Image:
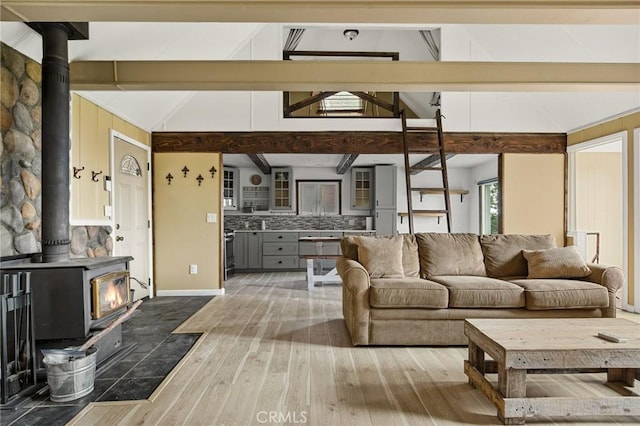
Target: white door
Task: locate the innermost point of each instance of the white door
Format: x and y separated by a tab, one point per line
131	212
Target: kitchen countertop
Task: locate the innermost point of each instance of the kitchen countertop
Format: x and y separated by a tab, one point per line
305	230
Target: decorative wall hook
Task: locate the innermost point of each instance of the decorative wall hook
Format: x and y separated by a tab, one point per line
185	170
169	178
94	175
213	171
76	172
199	179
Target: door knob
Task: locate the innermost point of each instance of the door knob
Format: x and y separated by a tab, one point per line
119	238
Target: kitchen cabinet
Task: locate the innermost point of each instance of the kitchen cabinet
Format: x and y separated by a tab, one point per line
386	221
247	250
280	250
385	209
385	187
254	250
308	247
281	188
230	188
240	250
361	188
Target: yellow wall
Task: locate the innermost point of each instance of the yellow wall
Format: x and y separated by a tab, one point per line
90	149
533	194
627	123
599	203
181	234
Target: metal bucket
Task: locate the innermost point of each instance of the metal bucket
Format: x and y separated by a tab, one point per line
71	379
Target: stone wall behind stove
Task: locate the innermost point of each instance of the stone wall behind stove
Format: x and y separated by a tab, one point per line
21	165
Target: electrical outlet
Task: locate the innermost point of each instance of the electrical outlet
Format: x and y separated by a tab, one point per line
212	217
352	222
193	269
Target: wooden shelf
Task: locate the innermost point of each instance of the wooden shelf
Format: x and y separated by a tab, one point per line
431	191
425	213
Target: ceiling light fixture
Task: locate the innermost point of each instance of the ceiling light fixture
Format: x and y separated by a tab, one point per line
351	34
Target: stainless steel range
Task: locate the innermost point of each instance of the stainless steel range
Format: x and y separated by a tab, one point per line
229	260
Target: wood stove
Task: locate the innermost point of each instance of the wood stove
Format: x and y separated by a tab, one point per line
68	303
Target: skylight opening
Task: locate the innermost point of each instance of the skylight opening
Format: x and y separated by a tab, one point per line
341	103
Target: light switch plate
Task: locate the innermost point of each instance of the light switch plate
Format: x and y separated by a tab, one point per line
193	269
212	217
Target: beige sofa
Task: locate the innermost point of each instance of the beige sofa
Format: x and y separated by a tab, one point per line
418	289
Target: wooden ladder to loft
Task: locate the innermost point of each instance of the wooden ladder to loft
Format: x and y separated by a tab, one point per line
442	168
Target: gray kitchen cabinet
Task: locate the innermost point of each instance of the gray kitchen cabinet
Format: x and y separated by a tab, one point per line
254	250
361	188
308	247
230	188
280	250
240	250
282	188
385	187
386	221
385	209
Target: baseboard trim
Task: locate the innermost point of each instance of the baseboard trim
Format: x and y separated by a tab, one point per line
213	292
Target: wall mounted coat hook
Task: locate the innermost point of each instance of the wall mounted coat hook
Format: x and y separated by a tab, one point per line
213	171
185	170
76	172
199	179
94	175
169	178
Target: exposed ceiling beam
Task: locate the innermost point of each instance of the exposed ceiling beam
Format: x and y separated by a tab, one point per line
342	142
431	160
261	162
403	76
328	11
346	162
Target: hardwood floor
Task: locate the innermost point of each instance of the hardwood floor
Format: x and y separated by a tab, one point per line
273	354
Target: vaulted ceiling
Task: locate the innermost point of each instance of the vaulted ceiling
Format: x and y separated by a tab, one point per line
471	32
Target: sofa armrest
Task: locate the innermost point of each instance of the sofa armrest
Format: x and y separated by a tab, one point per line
610	277
355	299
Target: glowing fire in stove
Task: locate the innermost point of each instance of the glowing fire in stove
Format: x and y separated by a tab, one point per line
110	292
112	297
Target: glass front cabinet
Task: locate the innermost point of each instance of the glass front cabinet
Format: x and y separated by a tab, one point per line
281	188
230	188
361	188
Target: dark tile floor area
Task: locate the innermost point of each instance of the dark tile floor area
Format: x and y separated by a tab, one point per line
152	353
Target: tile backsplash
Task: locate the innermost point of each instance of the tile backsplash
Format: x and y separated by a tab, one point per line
238	222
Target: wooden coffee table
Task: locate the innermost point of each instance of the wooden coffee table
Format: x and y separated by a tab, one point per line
518	346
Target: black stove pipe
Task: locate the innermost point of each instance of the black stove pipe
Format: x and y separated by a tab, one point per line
55	134
55	142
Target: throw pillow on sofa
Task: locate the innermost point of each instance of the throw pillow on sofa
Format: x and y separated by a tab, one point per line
410	259
561	262
381	256
450	254
503	252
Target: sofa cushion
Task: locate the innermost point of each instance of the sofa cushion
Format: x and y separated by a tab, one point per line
381	256
503	253
450	254
543	294
481	292
410	259
407	293
562	262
